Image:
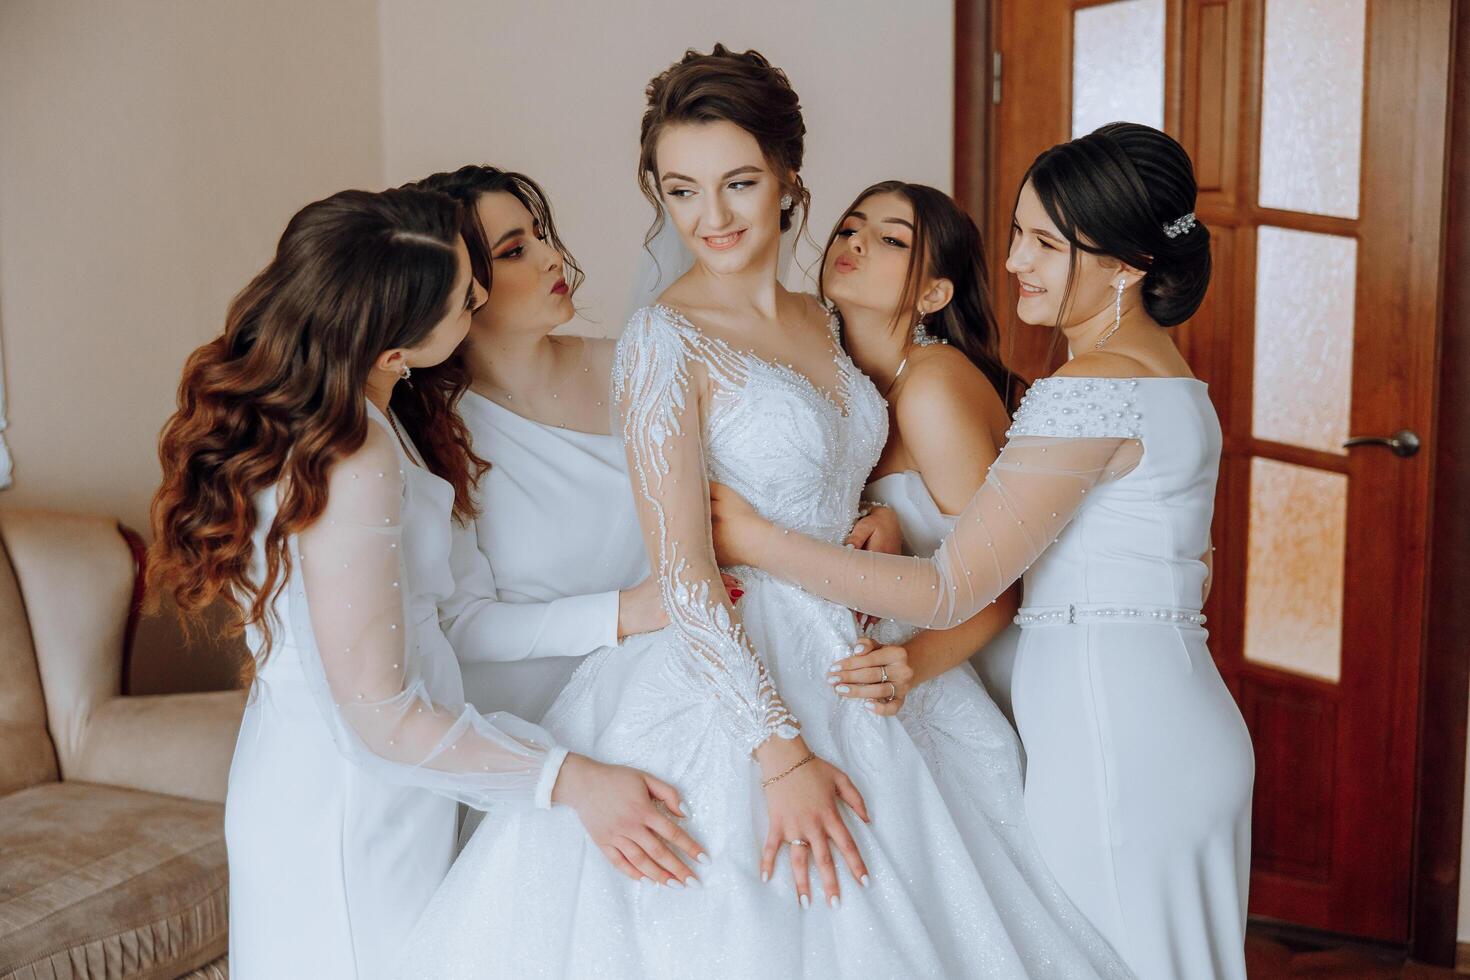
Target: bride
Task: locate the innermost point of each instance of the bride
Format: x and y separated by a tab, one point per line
732	378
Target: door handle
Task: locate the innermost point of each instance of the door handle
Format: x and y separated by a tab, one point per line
1403	443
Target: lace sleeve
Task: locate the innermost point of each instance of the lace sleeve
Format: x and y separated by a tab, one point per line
657	384
483	627
360	652
1070	434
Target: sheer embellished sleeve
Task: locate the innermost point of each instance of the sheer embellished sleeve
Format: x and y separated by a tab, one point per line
484	627
658	382
1069	436
350	614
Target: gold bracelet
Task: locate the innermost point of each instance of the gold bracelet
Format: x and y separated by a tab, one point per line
809	757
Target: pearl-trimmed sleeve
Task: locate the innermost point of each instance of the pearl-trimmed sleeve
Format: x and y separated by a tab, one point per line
350	615
1069	435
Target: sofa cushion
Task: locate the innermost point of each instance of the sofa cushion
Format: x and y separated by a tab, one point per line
27	756
101	882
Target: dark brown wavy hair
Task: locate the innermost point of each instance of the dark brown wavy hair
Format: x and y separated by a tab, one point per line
723	86
947	245
280	396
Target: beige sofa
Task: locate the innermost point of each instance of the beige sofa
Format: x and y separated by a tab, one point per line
112	856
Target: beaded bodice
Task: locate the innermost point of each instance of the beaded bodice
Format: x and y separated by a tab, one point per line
1138	540
697	409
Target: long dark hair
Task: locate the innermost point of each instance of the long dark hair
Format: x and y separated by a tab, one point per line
1111	193
947	245
280	396
724	86
450	378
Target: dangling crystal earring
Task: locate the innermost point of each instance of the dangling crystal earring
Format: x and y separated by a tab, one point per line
786	202
922	336
407	373
1117	316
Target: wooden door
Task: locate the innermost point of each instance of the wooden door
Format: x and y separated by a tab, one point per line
1317	131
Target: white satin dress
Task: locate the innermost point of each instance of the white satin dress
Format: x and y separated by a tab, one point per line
356	743
557	538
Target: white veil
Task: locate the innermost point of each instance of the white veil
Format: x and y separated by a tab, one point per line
666	259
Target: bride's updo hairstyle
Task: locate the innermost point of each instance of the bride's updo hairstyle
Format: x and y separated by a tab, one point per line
1112	193
744	89
281	396
947	245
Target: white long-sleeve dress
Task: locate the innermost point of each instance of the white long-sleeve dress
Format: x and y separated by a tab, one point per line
538	574
356	742
958	887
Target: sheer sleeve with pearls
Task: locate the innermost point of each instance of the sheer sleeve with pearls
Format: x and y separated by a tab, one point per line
1069	436
360	653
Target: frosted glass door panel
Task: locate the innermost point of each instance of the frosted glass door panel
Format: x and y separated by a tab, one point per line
1312	106
1304	337
1294	579
1118	65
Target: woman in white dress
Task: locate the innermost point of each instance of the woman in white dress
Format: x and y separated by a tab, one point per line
1139	767
564	570
945	880
292	493
905	268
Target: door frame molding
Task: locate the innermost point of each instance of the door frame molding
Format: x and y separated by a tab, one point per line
1445	687
1440	762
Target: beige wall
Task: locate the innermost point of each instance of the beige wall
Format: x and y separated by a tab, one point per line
555	89
150	153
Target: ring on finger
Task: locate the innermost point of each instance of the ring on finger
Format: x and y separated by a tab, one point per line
884	678
892	692
798	842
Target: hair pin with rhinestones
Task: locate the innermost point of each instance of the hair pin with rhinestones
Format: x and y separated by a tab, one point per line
1179	226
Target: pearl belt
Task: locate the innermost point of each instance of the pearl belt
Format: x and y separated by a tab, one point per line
1091	612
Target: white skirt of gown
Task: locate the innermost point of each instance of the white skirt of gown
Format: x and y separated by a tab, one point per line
957	887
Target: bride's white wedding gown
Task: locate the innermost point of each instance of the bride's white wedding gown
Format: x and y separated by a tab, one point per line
957	888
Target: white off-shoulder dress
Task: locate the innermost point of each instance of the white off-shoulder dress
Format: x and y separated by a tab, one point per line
356	741
538	573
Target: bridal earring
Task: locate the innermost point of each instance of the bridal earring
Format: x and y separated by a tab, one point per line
1117	315
786	202
407	373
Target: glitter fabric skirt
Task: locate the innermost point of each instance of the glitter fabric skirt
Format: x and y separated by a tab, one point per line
957	888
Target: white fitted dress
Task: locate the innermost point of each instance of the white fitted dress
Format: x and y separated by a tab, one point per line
1139	766
557	538
356	744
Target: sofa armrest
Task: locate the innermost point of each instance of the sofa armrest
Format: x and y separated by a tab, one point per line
178	744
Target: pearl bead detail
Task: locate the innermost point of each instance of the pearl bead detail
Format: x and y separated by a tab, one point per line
1088	613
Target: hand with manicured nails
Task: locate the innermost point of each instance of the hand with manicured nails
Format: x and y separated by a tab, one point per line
803	806
626	813
861	675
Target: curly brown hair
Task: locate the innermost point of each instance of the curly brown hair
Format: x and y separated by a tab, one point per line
744	89
280	396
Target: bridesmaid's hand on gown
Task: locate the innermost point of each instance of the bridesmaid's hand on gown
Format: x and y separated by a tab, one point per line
626	813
